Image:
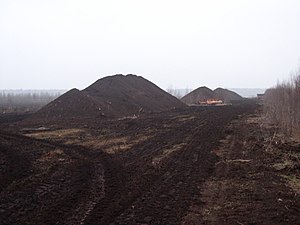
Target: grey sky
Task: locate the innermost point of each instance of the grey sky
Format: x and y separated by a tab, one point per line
71	43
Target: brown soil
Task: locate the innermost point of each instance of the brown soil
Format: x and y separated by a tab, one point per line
161	168
110	97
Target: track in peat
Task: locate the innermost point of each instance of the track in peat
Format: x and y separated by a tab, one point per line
155	181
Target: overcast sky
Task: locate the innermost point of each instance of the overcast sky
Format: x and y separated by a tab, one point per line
61	44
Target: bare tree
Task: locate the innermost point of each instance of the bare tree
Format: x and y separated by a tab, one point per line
282	104
175	92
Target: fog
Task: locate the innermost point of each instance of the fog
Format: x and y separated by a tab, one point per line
62	44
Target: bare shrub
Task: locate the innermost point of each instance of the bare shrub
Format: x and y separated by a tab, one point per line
282	104
178	93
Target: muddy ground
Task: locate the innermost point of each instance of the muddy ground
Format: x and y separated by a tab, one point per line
199	165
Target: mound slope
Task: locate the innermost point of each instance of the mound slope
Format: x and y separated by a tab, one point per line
226	95
74	103
112	96
204	93
200	94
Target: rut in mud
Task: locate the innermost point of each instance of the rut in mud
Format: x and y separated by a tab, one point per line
45	183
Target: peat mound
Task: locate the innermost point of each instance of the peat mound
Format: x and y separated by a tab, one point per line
200	94
112	97
226	95
203	94
121	95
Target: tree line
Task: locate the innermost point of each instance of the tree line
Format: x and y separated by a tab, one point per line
282	104
27	101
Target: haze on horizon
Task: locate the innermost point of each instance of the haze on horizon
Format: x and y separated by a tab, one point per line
61	44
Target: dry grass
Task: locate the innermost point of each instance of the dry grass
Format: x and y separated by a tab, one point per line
55	155
183	118
156	161
57	134
293	182
286	164
113	145
107	143
98	143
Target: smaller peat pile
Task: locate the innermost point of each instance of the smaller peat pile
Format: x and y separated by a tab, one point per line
199	95
226	95
203	94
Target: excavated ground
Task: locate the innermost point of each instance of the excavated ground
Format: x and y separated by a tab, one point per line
199	165
256	179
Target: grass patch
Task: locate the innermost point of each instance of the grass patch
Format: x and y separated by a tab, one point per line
57	134
293	182
166	153
285	165
183	118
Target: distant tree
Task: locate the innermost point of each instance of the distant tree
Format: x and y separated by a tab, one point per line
25	101
178	93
